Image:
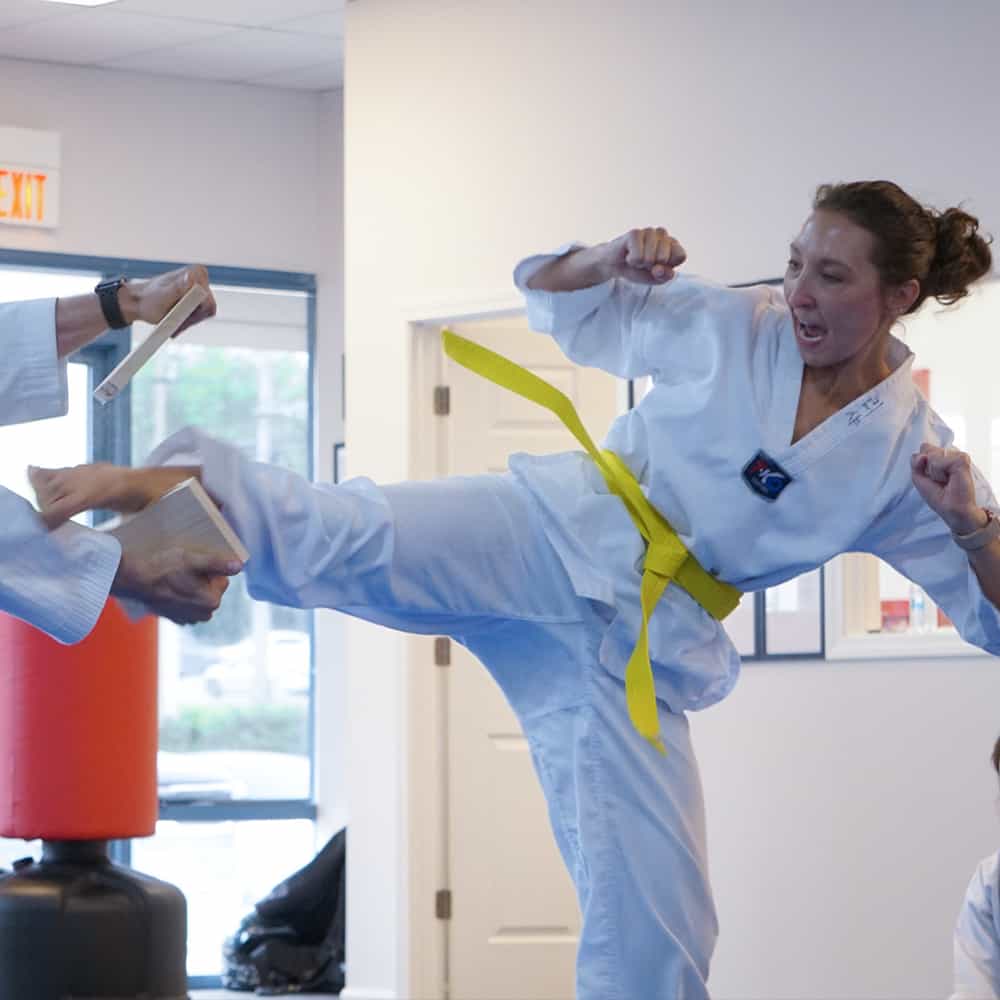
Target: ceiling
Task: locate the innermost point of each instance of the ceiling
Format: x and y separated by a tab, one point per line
296	44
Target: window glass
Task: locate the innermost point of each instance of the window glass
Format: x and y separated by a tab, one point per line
235	691
793	622
53	443
18	284
13	850
222	869
57	441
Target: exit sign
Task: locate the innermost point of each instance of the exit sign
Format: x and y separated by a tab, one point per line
29	178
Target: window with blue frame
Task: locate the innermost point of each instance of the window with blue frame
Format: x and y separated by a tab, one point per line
236	694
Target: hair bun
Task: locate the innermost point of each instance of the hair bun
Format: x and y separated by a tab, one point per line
961	256
943	251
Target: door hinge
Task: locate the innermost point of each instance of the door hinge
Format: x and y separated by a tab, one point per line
442	652
442	904
442	400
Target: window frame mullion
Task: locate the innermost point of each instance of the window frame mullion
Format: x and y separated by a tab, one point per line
109	437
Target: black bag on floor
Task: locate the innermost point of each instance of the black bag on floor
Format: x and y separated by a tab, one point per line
293	942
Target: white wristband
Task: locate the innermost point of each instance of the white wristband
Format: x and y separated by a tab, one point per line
981	537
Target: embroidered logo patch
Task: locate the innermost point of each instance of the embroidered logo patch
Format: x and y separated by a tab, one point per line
765	477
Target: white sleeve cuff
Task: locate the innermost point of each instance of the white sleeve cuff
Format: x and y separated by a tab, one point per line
67	606
33	384
550	312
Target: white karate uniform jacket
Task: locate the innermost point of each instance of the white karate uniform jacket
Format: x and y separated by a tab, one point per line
58	581
726	374
977	936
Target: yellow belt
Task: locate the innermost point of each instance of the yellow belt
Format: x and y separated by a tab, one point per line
666	557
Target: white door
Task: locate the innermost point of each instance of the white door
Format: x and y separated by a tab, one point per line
515	919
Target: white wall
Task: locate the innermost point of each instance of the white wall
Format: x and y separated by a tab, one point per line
331	674
174	169
847	804
168	169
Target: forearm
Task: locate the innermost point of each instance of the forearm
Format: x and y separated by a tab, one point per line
143	486
985	563
985	559
577	269
79	319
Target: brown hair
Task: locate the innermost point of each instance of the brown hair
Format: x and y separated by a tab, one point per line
942	250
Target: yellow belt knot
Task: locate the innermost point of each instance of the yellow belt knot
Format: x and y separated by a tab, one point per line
666	557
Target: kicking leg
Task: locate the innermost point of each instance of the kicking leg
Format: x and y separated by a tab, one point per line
434	557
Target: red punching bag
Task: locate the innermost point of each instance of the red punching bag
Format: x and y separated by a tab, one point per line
78	731
78	727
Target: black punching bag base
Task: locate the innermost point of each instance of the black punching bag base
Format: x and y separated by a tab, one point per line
74	926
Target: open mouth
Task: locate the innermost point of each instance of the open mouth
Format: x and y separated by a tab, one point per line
809	333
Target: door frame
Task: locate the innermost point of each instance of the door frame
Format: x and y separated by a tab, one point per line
425	744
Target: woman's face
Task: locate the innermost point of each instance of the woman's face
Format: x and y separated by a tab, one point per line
839	307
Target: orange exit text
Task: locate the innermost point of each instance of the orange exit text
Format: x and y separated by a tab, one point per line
22	195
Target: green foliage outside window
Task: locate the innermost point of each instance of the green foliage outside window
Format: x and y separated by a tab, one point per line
276	728
255	399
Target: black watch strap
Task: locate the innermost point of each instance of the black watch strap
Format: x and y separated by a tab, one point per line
107	294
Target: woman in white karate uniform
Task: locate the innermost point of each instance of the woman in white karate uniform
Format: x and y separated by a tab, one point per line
778	433
977	930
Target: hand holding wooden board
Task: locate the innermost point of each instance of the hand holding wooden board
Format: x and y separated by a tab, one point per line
162	332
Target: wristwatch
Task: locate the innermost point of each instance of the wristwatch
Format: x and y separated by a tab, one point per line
981	537
107	293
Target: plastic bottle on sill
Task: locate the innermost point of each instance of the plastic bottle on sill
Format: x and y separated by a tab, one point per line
923	611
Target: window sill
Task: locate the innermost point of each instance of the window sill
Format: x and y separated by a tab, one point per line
945	644
220	994
851	589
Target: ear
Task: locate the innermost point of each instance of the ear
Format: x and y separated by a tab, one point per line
902	297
